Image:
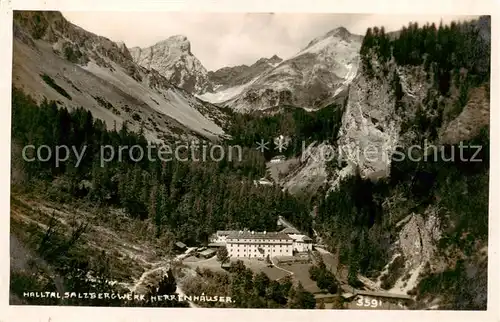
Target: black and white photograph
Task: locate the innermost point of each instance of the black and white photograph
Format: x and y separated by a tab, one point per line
249	160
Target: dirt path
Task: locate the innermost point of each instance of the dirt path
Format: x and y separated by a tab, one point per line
162	266
179	290
280	268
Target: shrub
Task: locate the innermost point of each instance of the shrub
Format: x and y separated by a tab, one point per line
49	81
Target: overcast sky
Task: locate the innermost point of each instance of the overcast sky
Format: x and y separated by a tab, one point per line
228	39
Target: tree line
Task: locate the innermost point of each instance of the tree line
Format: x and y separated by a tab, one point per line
296	124
445	52
249	289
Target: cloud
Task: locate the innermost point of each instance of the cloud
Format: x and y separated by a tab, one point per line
227	39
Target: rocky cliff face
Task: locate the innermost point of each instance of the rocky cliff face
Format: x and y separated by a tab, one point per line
474	116
371	125
392	106
173	59
62	62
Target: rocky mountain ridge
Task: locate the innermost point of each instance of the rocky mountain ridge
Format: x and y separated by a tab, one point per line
311	79
173	59
227	77
56	59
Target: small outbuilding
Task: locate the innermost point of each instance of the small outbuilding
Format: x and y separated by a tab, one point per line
216	245
207	253
180	246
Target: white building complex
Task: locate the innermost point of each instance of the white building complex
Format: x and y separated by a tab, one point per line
252	244
301	243
221	235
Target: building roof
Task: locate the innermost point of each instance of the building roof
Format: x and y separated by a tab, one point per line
259	235
216	244
207	252
180	245
325	296
287	258
290	230
300	238
347	295
384	294
225	232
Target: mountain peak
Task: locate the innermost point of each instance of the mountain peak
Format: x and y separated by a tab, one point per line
275	59
312	78
178	39
340	33
123	48
341	30
173	59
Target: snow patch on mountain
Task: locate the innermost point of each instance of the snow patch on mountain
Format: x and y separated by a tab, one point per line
311	79
225	94
232	81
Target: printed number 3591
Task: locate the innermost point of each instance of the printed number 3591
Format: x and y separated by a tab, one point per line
365	301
